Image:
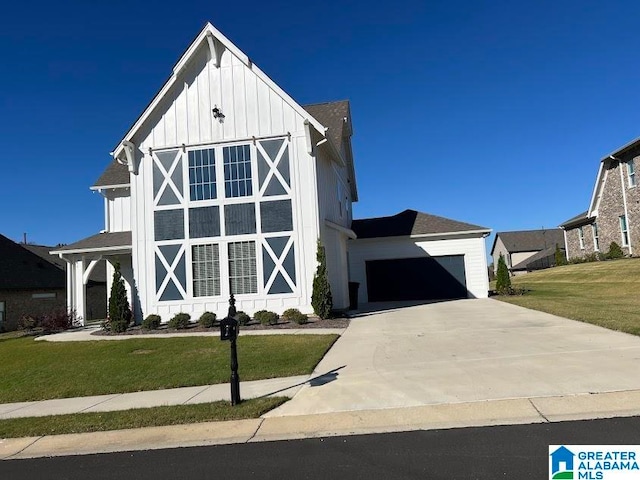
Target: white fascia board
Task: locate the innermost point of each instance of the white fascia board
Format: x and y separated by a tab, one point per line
596	189
182	63
109	187
347	231
121	248
433	236
626	146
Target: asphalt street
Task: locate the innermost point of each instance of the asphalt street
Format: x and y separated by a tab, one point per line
518	451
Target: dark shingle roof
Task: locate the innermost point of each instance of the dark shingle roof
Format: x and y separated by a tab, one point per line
332	115
530	240
409	222
23	269
577	220
98	274
99	241
114	174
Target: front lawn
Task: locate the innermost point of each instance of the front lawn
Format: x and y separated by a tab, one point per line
136	418
44	370
603	293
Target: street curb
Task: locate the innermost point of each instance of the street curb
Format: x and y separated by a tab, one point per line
427	417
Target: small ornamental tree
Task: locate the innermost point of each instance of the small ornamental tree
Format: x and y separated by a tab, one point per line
503	281
119	310
560	256
614	251
321	299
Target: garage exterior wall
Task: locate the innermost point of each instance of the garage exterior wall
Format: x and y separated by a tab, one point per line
473	249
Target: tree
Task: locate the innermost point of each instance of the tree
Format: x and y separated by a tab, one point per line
119	310
614	251
560	256
503	281
321	299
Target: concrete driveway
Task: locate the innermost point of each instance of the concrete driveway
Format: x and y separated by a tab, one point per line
465	351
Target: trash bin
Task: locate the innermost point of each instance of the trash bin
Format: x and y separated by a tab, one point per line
353	295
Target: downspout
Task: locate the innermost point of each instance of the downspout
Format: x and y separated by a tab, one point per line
624	202
566	245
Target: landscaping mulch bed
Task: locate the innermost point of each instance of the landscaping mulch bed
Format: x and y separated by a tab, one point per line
314	322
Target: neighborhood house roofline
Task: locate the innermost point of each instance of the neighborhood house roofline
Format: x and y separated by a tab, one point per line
217	43
528	240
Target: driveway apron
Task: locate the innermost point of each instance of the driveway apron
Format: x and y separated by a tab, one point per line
465	351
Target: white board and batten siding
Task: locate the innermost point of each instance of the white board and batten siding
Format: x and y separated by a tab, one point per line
473	249
118	214
251	108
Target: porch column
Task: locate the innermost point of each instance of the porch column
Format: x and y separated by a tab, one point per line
79	290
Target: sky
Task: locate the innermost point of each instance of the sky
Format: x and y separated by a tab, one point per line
494	113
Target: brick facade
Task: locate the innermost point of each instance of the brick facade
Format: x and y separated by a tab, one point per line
610	208
21	302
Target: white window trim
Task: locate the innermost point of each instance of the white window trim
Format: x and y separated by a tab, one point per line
624	233
596	237
631	175
581	237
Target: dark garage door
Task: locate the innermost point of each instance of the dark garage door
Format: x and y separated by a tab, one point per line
423	278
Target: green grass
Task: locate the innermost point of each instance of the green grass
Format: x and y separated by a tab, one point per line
602	293
136	418
39	370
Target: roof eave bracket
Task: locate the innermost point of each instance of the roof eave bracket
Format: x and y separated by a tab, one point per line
129	158
216	49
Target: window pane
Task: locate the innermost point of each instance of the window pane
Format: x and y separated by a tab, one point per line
202	174
237	171
206	270
243	277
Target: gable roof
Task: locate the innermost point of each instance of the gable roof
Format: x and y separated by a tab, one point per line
529	240
622	154
214	38
410	223
336	116
23	269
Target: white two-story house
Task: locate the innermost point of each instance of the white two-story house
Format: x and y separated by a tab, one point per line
224	184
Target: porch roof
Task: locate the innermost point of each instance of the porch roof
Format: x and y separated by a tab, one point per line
101	242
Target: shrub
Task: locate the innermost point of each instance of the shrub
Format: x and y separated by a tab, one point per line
242	318
321	299
560	257
503	280
27	322
294	315
55	321
265	317
180	321
614	251
119	310
207	319
152	322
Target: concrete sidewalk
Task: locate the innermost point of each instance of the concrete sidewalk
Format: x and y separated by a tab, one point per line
86	334
287	386
427	417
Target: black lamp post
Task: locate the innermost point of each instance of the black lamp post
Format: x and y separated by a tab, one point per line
229	331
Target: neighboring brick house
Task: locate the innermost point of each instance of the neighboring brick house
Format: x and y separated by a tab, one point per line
33	282
527	250
614	211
